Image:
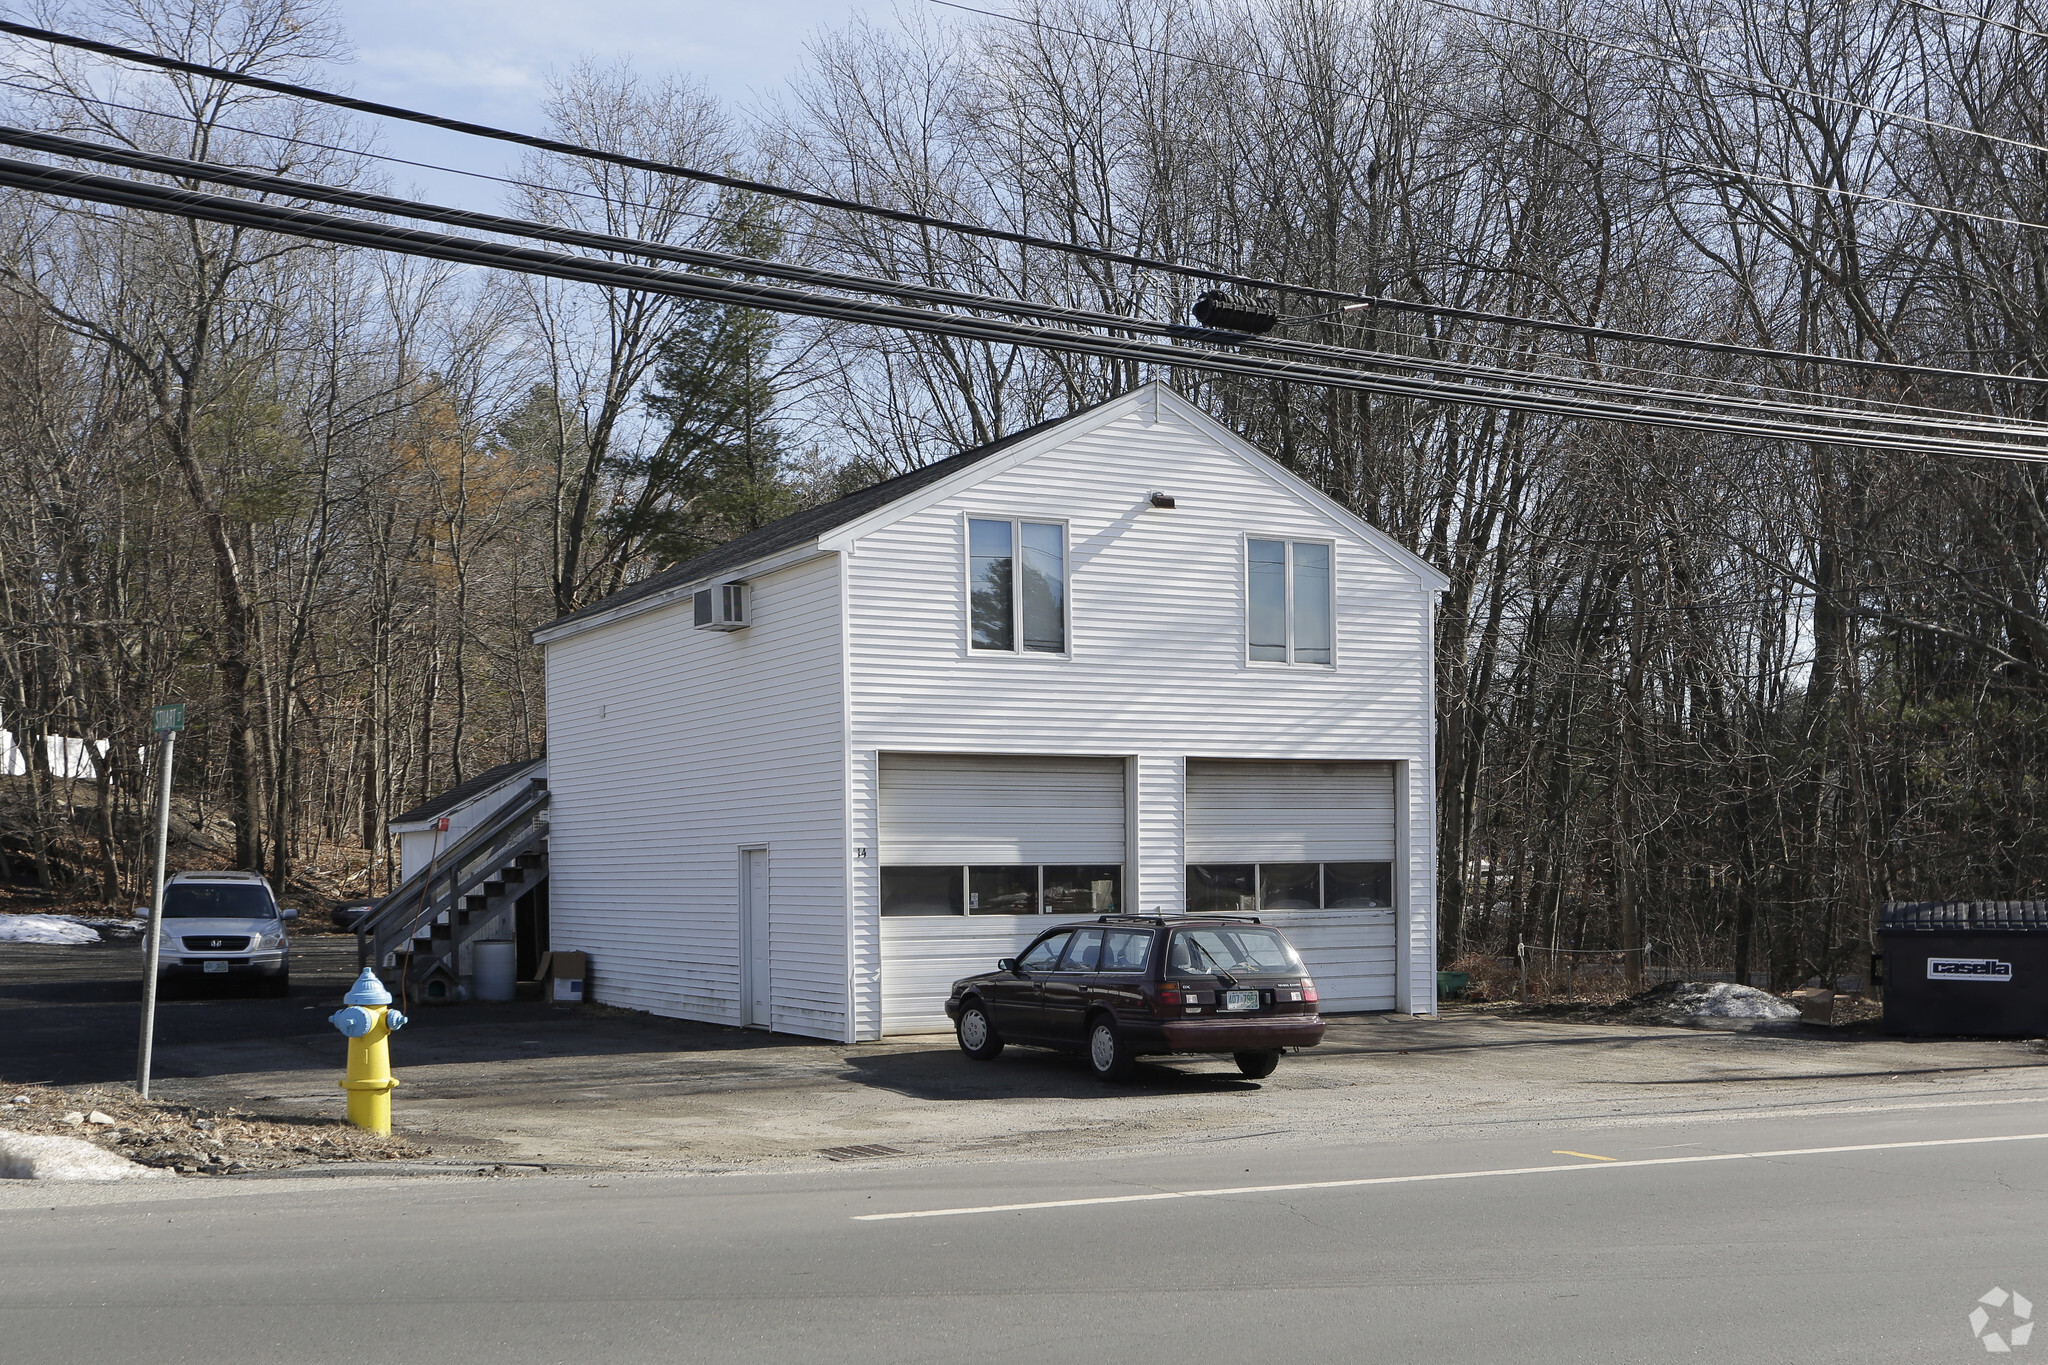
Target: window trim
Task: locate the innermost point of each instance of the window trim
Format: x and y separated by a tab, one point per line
1244	567
1016	649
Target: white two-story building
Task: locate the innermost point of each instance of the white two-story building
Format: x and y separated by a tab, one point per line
1120	662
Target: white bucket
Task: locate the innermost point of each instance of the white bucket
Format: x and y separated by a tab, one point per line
496	970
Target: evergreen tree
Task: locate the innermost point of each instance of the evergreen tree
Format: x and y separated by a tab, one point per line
721	467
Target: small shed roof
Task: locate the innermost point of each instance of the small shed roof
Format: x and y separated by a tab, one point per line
1949	917
462	793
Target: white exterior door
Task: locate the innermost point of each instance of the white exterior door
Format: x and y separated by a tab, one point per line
754	959
966	811
1313	837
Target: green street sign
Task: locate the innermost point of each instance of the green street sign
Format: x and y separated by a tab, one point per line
169	719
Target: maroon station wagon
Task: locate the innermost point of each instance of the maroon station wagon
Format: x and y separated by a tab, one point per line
1130	986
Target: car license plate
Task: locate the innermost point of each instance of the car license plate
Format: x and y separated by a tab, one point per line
214	967
1240	1000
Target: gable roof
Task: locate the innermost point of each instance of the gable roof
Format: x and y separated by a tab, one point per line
857	514
1151	401
463	792
807	525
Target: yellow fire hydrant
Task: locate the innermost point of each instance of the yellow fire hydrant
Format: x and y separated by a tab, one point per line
367	1023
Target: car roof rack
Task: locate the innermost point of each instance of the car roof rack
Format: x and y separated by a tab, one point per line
1162	919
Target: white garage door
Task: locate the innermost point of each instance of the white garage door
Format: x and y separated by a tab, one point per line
958	809
1246	812
980	810
1277	818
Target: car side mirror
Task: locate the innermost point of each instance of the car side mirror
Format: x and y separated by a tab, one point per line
1009	964
142	912
287	913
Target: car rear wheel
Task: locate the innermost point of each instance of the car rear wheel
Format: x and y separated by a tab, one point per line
1109	1057
1258	1065
977	1034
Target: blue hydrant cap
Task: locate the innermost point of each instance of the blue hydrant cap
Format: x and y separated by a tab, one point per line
368	990
393	1020
354	1022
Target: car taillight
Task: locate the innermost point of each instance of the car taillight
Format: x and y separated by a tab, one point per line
1308	991
1167	998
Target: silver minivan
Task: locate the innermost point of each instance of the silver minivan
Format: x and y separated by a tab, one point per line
224	926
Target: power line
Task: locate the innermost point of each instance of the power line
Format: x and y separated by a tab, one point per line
725	290
265	183
997	234
1510	352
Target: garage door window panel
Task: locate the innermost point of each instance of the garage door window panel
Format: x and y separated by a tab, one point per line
1002	890
1223	888
1358	886
1290	886
1083	890
921	890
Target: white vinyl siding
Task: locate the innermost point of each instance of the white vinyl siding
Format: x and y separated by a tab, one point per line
669	750
963	809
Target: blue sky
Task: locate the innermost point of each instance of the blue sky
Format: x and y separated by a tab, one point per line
488	61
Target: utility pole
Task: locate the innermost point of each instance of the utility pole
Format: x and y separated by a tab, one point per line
167	722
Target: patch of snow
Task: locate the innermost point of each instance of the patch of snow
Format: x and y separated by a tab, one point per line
1720	1000
58	929
109	928
24	1156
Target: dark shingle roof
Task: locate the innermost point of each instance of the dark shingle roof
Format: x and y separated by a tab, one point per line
807	525
1948	917
461	792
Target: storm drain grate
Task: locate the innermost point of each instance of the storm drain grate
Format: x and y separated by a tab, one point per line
859	1153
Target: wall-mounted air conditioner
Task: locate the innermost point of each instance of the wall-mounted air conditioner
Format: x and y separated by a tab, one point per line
723	607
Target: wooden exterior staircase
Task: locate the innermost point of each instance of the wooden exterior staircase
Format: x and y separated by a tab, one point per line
467	892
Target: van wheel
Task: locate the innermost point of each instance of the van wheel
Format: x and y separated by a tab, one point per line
1109	1057
977	1033
1258	1065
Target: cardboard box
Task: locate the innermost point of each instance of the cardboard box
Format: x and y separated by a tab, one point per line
566	977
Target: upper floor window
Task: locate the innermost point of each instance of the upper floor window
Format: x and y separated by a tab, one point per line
1287	595
1017	586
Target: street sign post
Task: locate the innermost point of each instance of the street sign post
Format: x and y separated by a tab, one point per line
167	721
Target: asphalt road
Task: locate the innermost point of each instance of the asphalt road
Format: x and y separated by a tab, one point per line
1796	1254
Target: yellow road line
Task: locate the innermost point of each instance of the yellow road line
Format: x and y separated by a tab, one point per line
1588	1155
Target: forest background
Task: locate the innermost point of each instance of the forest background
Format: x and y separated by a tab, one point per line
1720	693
